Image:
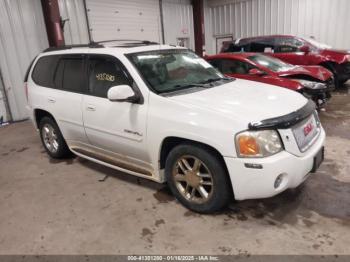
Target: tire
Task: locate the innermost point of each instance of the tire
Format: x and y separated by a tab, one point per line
331	67
197	178
50	134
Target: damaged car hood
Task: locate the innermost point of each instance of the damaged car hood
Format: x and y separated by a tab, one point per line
316	72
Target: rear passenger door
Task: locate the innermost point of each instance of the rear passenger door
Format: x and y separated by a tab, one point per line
70	82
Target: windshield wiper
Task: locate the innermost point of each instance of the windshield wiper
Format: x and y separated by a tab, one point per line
179	87
212	80
182	87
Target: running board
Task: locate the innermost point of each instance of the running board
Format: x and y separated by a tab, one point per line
113	163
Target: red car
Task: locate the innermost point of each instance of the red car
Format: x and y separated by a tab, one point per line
314	82
297	51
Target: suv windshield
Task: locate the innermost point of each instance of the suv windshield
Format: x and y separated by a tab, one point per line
175	69
271	63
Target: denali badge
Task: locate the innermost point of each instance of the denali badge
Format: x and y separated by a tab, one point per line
132	132
308	128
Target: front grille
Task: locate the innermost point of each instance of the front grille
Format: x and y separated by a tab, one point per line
306	132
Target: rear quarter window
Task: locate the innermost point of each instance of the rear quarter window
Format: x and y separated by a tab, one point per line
44	70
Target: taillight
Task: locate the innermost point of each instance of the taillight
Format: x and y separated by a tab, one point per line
26	89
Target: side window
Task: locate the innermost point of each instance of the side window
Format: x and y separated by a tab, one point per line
235	67
287	45
58	79
74	79
44	71
262	45
244	45
233	48
105	72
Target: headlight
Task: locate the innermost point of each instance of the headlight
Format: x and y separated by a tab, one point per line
311	84
258	143
348	58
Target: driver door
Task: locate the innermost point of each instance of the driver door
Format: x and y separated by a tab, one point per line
117	130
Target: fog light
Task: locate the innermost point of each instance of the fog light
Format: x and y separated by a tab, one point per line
278	181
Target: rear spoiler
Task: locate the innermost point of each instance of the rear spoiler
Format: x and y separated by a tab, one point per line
285	121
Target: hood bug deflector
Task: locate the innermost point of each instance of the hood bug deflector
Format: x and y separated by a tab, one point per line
285	121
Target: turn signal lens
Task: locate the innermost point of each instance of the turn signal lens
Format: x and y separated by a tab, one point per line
248	146
258	143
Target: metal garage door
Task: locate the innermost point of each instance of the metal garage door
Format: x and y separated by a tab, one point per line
22	37
178	22
120	19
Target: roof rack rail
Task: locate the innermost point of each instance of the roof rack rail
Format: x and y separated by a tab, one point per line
123	43
64	47
128	40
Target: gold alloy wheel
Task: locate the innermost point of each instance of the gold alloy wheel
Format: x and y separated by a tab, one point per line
193	179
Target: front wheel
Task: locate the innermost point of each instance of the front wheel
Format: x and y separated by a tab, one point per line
197	178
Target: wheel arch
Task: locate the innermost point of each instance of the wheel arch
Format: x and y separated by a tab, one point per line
40	114
171	142
330	65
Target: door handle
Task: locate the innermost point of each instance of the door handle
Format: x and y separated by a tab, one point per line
91	108
51	100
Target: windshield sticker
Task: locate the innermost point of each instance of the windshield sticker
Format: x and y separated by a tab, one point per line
105	77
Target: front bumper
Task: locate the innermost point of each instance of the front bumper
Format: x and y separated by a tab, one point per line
319	96
248	183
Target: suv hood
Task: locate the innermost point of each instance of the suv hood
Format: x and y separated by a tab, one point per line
244	100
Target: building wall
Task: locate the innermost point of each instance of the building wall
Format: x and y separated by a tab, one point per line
22	37
4	114
75	28
326	20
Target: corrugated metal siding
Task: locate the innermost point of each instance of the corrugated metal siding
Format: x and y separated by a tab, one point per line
22	37
4	114
119	19
75	29
178	21
326	20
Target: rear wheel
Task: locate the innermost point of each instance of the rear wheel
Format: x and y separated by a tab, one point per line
197	178
52	139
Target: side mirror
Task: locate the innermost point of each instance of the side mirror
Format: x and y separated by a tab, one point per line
256	72
122	93
305	49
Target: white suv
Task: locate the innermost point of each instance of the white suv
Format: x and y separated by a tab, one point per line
163	113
